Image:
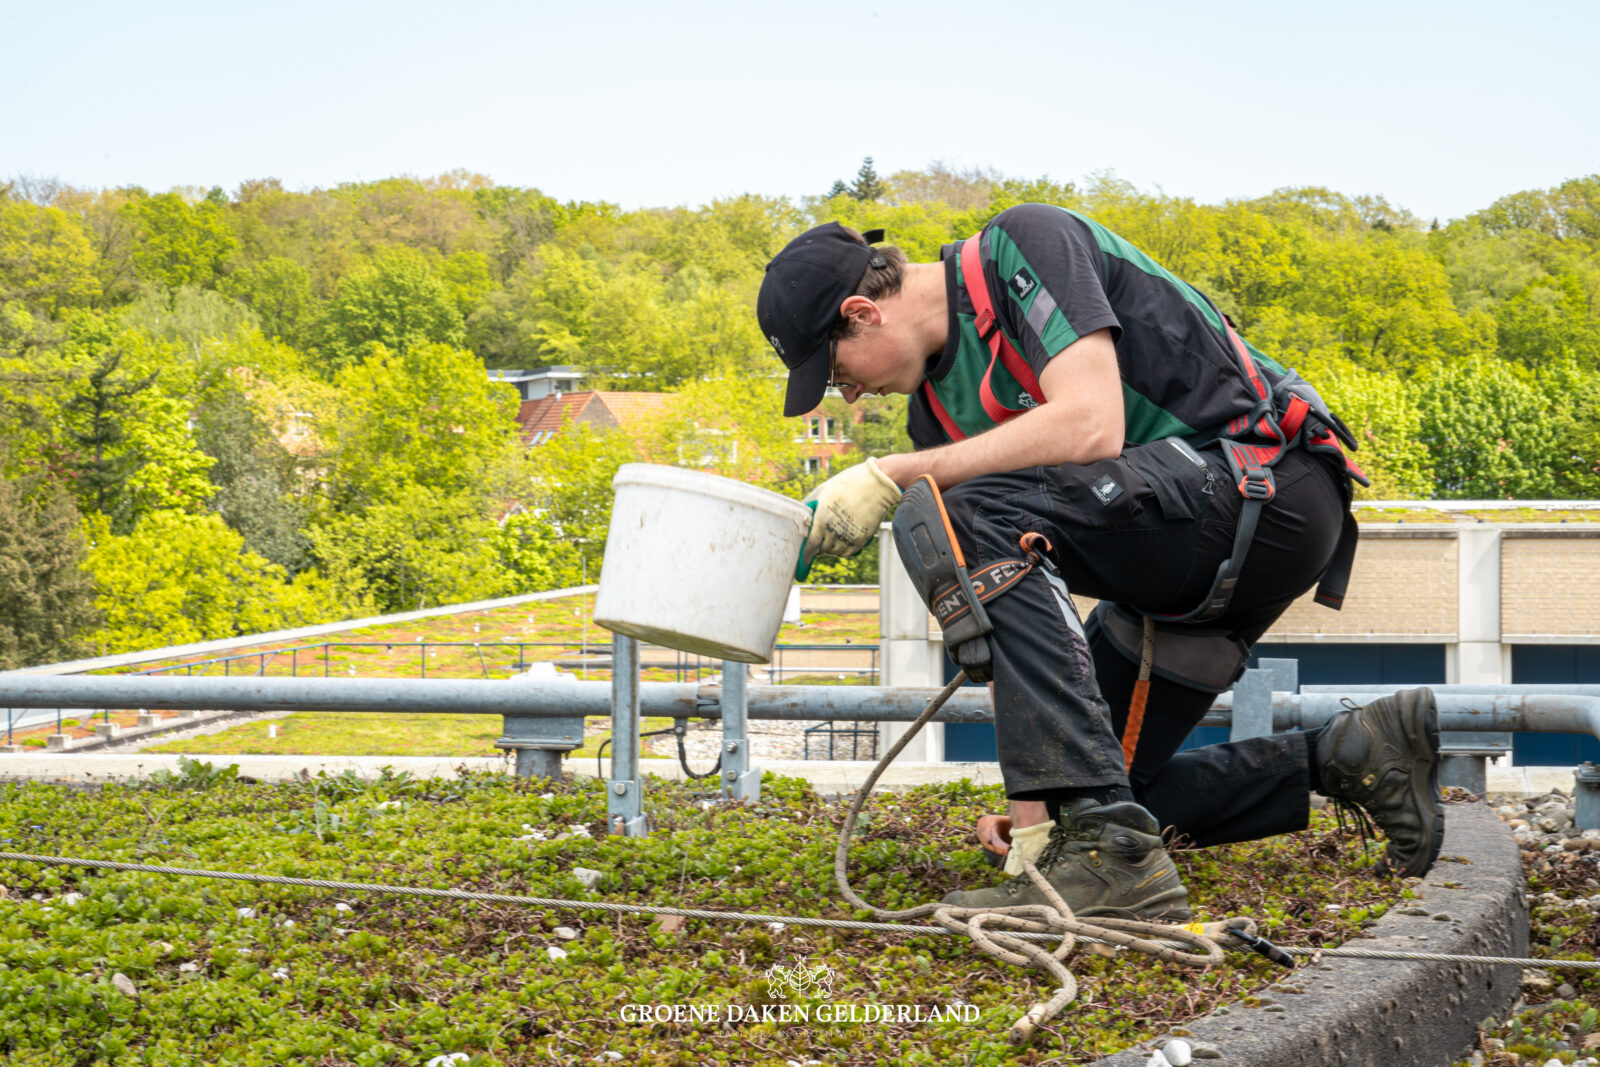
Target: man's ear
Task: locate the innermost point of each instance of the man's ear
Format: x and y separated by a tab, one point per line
861	310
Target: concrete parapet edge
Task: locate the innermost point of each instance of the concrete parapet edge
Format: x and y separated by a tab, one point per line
1391	1013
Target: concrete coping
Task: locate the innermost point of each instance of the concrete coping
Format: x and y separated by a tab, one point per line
1391	1013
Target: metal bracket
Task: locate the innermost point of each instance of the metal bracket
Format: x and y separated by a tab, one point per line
625	795
1464	757
540	742
739	779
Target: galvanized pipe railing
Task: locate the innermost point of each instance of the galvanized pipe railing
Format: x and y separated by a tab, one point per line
1533	709
544	717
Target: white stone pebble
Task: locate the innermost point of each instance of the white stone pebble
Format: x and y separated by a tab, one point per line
449	1058
555	953
188	968
1177	1052
1157	1060
124	985
342	907
547	796
281	974
246	913
608	1056
589	878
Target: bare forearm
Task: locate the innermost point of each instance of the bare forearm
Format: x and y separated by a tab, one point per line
1041	437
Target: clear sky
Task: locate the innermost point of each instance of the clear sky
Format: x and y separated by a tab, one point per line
1440	106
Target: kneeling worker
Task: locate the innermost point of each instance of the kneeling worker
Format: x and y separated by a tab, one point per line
1086	421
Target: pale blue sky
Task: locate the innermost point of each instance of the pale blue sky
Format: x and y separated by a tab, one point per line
1441	107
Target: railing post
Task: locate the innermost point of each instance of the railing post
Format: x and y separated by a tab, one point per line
1587	795
1285	674
1252	705
739	780
1464	770
625	792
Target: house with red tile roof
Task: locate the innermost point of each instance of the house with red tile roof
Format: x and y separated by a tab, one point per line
542	419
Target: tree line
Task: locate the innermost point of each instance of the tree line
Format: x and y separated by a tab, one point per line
223	412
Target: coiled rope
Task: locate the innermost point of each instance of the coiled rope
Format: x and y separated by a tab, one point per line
995	930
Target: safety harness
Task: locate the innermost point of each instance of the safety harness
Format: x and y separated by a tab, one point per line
1287	415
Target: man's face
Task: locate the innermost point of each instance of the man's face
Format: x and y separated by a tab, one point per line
875	361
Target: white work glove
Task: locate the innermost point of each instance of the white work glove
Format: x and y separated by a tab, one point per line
847	510
1027	844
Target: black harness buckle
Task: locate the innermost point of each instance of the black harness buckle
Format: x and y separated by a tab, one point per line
1258	484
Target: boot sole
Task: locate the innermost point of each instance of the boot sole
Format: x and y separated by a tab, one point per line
1422	733
1172	906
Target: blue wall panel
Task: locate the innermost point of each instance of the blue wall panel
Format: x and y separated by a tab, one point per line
1554	664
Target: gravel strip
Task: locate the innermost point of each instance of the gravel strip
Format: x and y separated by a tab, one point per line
139	744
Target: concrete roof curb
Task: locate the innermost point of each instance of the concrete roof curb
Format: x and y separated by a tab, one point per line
1389	1013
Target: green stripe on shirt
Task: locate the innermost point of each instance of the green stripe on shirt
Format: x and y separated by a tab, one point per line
1056	332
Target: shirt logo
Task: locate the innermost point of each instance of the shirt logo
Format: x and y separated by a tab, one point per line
1105	490
1022	283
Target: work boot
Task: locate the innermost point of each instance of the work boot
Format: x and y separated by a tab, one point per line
1104	860
1384	758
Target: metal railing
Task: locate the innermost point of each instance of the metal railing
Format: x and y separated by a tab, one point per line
317	659
505	658
544	717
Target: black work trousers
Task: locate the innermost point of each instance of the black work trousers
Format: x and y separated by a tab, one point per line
1148	530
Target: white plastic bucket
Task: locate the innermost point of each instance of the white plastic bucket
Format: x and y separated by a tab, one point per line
699	563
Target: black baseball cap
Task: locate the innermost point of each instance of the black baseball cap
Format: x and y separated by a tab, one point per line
799	303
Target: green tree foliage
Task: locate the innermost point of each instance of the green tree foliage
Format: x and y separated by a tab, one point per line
427	416
424	453
105	460
571	492
397	303
867	186
1383	416
529	553
1488	428
178	578
188	317
176	243
419	548
278	290
46	599
254	478
46	261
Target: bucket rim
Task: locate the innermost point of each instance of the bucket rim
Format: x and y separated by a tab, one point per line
662	476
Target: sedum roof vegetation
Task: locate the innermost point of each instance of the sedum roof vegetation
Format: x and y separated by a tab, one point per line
133	968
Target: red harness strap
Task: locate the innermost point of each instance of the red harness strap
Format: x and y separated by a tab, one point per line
1000	350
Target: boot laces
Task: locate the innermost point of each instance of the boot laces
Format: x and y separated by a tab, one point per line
1358	818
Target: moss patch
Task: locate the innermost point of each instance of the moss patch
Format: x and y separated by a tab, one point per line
387	980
